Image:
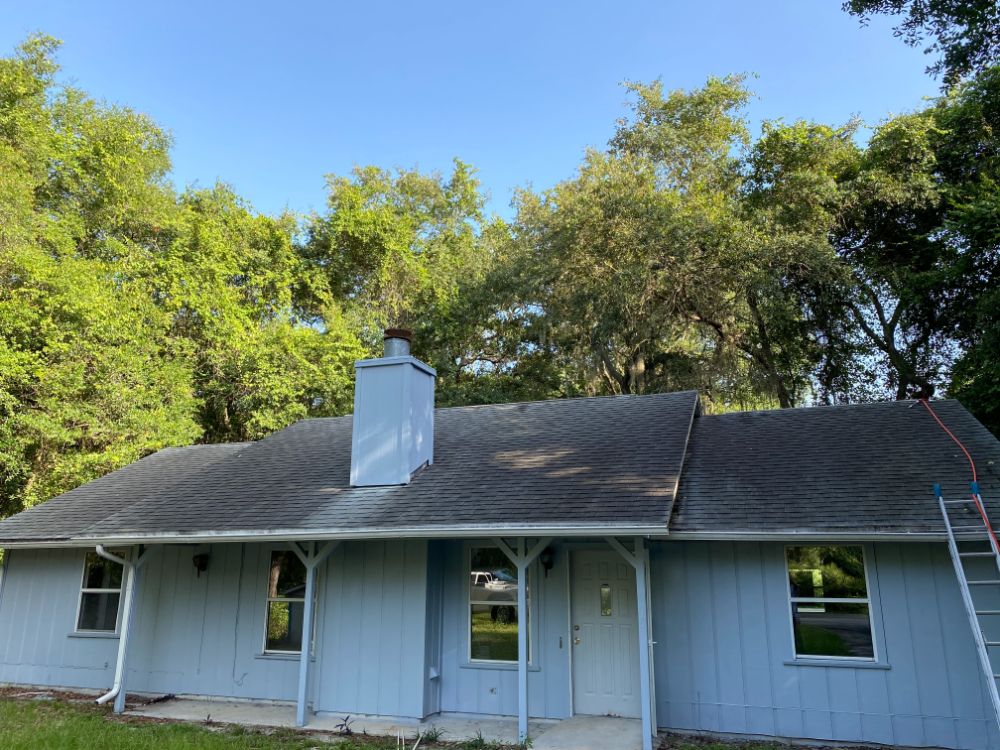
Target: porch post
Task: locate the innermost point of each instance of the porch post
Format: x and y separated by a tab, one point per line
522	559
311	559
522	643
638	560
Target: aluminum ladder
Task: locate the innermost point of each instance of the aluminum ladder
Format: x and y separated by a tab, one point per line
967	524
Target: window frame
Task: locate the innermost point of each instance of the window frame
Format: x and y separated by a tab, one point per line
868	601
265	651
77	630
497	663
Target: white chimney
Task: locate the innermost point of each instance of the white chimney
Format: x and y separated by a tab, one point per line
393	415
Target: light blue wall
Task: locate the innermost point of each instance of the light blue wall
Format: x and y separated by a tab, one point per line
393	613
371	656
721	622
203	635
38	604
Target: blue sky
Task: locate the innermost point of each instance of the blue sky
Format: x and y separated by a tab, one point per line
270	97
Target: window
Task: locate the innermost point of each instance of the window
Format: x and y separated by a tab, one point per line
100	594
493	615
286	588
831	613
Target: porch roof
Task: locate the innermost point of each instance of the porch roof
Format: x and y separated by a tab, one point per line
560	466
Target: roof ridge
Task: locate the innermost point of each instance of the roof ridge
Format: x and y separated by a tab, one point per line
860	405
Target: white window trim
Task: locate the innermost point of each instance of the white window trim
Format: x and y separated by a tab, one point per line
468	612
292	600
84	590
867	600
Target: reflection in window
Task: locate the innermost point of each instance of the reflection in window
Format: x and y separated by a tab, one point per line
99	594
605	600
493	611
286	586
831	614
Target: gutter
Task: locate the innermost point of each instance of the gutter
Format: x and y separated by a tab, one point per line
294	535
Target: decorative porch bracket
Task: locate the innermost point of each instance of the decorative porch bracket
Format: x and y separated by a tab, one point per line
128	608
638	558
522	559
311	556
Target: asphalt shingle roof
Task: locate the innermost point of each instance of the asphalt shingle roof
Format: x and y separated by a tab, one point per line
596	462
584	463
866	468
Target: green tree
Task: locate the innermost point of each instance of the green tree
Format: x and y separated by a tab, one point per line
964	33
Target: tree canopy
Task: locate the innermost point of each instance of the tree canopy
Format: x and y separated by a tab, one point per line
797	265
964	33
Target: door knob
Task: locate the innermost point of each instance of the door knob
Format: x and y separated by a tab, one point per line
576	641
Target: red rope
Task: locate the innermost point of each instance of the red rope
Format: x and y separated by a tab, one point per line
972	464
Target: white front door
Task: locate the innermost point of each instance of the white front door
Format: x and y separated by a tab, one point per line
603	634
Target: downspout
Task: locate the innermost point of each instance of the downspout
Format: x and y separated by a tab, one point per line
131	570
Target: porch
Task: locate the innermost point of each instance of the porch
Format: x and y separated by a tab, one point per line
575	733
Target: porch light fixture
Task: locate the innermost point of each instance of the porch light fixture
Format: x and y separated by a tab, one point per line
200	563
547	559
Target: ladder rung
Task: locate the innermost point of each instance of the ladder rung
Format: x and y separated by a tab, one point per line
960	529
992	643
988	612
983	583
975	554
959	502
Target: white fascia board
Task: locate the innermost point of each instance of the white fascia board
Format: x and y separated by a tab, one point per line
480	532
484	532
811	535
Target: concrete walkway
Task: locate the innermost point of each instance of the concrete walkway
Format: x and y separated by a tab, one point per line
577	733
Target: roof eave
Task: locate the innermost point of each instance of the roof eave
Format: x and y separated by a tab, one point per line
298	535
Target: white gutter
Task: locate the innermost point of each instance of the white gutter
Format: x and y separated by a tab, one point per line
478	532
301	535
131	571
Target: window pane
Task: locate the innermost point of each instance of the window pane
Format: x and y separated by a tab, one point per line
493	633
605	600
493	577
101	573
288	575
98	612
284	626
827	572
832	630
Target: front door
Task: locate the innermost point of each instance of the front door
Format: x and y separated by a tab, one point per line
603	634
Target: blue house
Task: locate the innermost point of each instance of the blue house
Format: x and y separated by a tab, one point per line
776	573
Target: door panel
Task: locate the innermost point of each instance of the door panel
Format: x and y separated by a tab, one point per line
603	635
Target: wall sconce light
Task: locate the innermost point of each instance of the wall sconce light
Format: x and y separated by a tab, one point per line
547	559
200	563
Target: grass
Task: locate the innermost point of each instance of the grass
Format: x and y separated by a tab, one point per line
67	724
77	724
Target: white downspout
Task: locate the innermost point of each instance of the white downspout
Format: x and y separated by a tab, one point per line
131	569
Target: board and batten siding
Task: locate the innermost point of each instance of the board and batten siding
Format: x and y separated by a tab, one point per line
204	634
721	623
38	606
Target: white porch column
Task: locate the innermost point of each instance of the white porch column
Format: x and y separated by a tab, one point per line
639	560
131	575
522	559
311	559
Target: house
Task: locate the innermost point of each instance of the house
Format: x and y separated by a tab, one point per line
774	573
